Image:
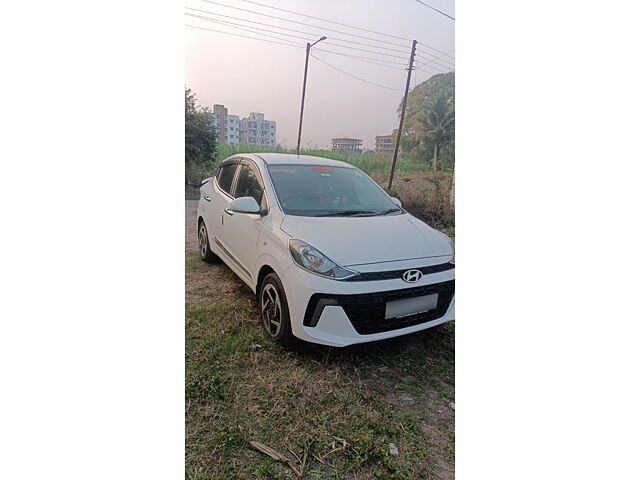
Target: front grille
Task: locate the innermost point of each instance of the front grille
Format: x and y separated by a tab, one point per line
366	311
393	274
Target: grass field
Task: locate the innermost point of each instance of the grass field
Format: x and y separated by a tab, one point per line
334	410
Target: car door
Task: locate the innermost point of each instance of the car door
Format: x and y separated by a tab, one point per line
241	230
217	198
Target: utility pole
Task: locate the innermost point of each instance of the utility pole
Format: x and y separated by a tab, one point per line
304	88
404	107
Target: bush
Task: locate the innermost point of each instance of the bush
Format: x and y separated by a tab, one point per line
431	205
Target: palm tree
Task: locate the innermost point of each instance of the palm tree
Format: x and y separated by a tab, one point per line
438	122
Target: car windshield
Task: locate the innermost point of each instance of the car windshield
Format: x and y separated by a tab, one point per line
321	190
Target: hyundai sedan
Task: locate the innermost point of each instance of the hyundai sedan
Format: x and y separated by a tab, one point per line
332	258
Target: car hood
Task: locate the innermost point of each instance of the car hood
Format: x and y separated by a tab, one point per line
353	241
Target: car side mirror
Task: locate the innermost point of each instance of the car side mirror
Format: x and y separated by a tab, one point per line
397	201
245	205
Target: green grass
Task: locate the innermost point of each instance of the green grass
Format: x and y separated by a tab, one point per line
240	387
191	196
369	163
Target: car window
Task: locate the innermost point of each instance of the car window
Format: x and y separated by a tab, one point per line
225	177
248	184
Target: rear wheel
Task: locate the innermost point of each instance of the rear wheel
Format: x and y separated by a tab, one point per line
203	242
275	311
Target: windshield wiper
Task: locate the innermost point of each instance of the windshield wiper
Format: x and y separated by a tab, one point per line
391	210
347	213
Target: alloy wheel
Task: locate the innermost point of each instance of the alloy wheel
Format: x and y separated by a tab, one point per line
202	240
271	310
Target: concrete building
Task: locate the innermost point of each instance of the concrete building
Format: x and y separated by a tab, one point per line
233	130
351	146
255	130
385	144
220	121
228	126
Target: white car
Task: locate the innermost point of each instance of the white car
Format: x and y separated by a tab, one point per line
331	257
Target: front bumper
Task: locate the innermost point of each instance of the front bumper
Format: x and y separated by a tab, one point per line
341	313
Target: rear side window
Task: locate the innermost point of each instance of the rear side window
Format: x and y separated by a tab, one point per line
225	177
248	185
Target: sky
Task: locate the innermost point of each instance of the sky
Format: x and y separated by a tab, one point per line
248	75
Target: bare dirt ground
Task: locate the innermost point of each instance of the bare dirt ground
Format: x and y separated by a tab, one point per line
191	230
240	387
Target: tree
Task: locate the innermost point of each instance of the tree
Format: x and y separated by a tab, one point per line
430	120
437	122
199	137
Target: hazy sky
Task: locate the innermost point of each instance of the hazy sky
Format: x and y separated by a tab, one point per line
249	75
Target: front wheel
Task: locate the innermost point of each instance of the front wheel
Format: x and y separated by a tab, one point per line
275	311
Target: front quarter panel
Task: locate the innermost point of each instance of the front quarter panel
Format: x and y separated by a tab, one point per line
273	248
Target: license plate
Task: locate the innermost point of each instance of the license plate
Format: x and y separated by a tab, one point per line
411	306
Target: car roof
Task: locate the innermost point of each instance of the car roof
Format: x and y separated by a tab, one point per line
271	158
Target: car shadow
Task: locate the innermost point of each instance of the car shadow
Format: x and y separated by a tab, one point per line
417	348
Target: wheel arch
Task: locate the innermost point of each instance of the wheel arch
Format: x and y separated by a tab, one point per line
267	263
265	270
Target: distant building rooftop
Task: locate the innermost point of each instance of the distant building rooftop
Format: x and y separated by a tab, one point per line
347	145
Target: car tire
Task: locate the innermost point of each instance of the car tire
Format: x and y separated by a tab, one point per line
274	311
206	255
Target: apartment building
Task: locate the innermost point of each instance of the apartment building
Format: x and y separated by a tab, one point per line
385	144
255	130
233	130
228	126
351	146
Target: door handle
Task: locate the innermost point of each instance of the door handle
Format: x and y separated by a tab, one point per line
208	199
227	211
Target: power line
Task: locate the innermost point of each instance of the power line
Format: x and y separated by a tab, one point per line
433	60
240	27
423	67
363	50
353	76
432	56
297	31
361	60
355	57
364	59
433	8
344	24
328	21
313	26
306	24
434	49
245	36
430	69
435	65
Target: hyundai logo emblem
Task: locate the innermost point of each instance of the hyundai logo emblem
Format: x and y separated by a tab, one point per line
412	276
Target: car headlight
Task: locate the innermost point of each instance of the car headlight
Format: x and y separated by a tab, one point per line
316	262
453	252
